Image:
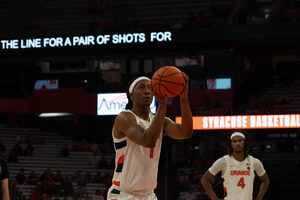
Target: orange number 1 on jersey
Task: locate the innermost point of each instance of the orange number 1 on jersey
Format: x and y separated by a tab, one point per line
241	183
151	152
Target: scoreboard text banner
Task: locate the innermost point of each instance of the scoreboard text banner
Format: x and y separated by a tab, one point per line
245	121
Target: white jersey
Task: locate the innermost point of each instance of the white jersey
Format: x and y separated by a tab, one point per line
238	176
136	165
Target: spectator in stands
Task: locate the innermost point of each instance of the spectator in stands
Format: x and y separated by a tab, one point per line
88	176
20	178
76	147
29	149
47	175
93	146
18	195
77	176
32	179
58	177
13	156
47	186
46	197
98	195
64	152
284	99
36	194
183	181
95	159
2	155
103	148
19	150
19	139
178	24
102	164
2	146
81	191
108	179
111	164
190	194
4	176
84	145
57	190
99	178
269	148
68	189
194	176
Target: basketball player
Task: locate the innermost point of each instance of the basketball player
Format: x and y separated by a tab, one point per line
4	180
137	136
237	171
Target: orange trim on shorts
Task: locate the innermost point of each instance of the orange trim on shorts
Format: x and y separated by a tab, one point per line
117	183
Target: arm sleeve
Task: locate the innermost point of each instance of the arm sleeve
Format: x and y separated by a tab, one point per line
4	171
217	166
258	167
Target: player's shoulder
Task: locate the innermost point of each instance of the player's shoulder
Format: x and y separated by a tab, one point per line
124	116
168	120
222	159
252	158
225	157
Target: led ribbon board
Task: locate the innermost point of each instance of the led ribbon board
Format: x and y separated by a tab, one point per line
245	122
86	40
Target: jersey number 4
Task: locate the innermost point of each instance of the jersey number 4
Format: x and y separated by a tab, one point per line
241	183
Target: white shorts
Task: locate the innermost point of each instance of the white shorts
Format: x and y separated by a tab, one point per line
115	194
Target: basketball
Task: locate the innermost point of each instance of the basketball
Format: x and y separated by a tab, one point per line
168	81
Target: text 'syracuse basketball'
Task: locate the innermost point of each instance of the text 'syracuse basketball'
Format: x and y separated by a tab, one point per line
168	81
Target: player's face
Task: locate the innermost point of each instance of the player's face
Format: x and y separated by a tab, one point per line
237	144
142	93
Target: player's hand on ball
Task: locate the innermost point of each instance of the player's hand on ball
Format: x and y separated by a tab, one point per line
185	91
160	99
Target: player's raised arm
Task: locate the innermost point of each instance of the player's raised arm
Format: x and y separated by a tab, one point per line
125	123
185	129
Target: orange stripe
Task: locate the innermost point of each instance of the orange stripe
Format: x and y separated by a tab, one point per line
151	152
117	183
121	159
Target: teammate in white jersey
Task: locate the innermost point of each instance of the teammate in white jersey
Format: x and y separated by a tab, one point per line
137	136
237	171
